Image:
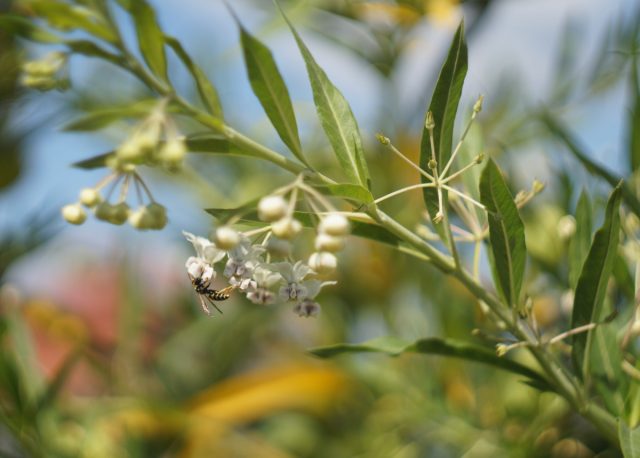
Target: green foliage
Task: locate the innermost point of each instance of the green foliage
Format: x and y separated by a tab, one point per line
268	85
336	118
443	107
434	346
506	232
591	288
629	440
150	37
581	240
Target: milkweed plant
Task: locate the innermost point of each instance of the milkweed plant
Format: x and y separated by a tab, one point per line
593	364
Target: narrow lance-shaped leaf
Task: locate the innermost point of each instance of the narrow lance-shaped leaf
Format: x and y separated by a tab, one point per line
271	90
506	233
150	38
336	118
629	440
633	121
563	134
581	240
207	91
444	106
592	284
435	346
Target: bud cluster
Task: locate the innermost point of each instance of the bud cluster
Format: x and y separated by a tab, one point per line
155	141
250	265
47	73
151	215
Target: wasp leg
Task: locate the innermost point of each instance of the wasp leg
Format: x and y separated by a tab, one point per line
204	306
212	303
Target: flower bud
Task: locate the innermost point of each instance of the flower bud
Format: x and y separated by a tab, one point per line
90	197
103	211
566	227
382	139
131	150
326	242
148	139
172	153
272	208
226	238
323	262
120	213
141	218
334	224
74	214
278	247
477	107
286	228
158	215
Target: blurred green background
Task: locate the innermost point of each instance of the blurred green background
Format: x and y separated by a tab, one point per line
105	352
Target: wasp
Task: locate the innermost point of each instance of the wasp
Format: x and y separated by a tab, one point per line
206	294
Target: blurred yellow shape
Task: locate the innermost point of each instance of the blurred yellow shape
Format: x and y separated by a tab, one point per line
400	14
444	11
252	396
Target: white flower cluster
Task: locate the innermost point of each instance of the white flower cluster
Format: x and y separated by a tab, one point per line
247	269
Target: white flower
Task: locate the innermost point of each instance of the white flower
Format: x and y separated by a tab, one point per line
198	268
243	259
205	248
307	308
260	292
297	288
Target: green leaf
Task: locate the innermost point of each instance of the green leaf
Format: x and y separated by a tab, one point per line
353	192
90	49
605	368
207	91
592	284
629	440
562	133
444	106
506	233
104	117
633	125
435	346
581	240
17	25
60	378
336	118
66	17
268	85
150	38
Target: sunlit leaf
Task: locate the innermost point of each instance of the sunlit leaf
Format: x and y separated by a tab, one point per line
90	49
506	233
581	240
150	38
104	117
268	85
336	118
444	106
434	346
207	91
17	25
629	440
592	284
633	119
65	16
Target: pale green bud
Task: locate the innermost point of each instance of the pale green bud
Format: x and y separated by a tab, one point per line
120	213
103	211
326	242
382	139
226	238
74	214
334	224
141	218
131	150
429	123
158	214
272	208
89	197
323	263
286	228
172	153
